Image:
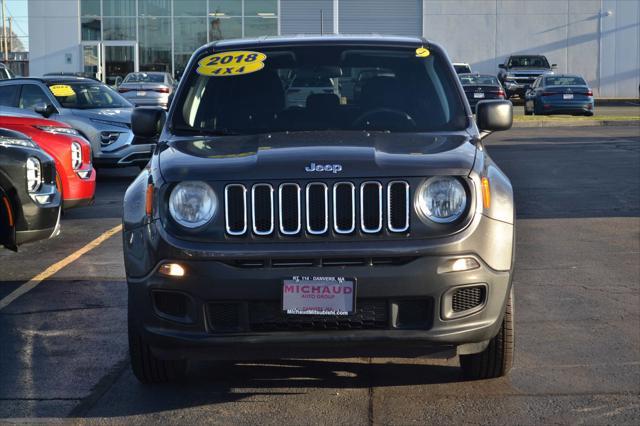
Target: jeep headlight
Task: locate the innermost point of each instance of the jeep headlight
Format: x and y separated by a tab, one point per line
192	204
441	199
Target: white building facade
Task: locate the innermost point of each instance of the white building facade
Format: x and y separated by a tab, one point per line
596	38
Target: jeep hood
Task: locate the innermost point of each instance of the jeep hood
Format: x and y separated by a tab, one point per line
290	155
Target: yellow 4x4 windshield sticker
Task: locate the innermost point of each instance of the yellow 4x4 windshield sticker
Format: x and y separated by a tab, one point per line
62	90
422	52
227	64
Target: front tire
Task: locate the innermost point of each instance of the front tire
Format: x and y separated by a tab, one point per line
497	358
147	368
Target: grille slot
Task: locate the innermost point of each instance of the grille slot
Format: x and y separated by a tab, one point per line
398	206
317	208
289	208
467	298
344	207
371	207
235	209
262	203
268	316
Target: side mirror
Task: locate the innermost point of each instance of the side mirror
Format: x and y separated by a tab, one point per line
493	116
45	110
501	66
147	123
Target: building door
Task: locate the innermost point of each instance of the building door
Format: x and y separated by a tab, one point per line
109	61
92	60
120	58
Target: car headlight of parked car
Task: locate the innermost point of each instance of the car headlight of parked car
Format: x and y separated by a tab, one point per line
58	130
192	204
9	142
76	155
34	174
441	199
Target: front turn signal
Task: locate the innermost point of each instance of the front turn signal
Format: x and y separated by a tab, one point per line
486	193
148	207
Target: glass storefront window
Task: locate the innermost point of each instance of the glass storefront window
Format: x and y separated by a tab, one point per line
255	27
154	44
119	28
119	7
189	34
225	7
90	29
90	8
154	7
263	8
190	8
222	28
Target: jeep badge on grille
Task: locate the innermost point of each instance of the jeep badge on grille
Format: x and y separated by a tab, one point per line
334	168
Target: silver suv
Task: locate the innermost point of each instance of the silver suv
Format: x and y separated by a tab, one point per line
98	112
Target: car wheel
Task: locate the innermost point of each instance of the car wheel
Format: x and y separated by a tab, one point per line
497	358
148	368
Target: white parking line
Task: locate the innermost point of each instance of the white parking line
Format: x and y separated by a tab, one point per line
51	270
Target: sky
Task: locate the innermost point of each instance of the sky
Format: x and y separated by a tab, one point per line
18	10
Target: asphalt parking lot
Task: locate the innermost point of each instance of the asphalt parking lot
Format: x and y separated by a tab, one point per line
63	345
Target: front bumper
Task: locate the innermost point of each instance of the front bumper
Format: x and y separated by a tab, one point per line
411	294
127	155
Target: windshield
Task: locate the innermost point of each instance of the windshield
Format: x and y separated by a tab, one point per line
87	95
144	78
564	81
309	88
528	62
475	80
461	69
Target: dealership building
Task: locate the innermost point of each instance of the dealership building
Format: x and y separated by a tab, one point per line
598	39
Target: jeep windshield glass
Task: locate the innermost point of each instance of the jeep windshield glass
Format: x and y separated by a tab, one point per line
309	88
87	95
528	62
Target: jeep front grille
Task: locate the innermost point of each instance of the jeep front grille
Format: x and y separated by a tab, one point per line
317	208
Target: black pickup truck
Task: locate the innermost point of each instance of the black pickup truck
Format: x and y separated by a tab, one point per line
341	227
519	72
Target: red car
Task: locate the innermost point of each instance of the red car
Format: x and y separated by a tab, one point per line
76	177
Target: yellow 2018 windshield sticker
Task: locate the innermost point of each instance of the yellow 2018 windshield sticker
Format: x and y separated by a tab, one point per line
62	90
422	52
228	64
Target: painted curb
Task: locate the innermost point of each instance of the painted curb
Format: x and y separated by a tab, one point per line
570	123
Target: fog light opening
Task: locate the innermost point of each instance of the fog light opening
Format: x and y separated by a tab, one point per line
458	265
172	270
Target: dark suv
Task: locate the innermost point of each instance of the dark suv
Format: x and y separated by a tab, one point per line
342	227
519	72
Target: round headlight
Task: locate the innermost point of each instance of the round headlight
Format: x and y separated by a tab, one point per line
192	204
442	199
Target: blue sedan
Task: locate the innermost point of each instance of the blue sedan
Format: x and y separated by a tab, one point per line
559	94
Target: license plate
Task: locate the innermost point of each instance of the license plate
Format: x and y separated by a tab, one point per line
478	95
142	93
318	295
567	96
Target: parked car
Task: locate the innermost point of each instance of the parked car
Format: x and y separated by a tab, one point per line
376	227
519	72
559	94
462	68
99	113
29	200
5	73
478	87
76	177
148	88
